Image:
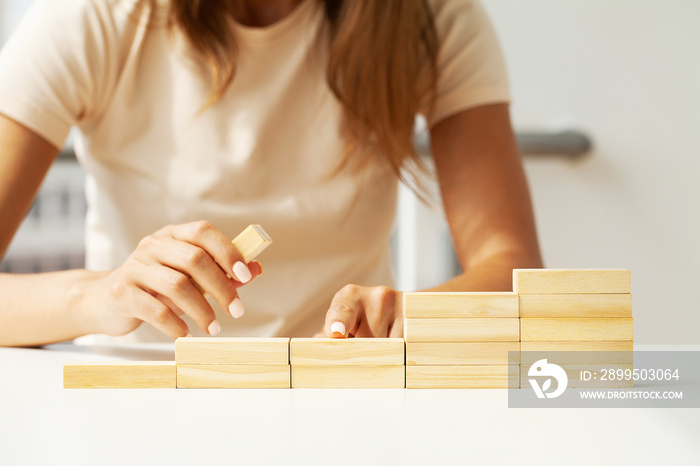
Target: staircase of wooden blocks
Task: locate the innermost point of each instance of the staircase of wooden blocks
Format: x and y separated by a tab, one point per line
461	340
452	340
573	311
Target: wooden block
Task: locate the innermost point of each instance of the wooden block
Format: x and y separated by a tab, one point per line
576	329
462	353
467	329
347	351
123	374
233	376
575	374
460	305
587	358
546	281
211	350
576	346
462	376
252	241
575	305
348	376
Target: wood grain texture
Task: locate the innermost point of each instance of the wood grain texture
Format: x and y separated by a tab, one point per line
497	376
546	281
576	305
211	350
573	374
348	376
252	241
462	353
587	358
576	329
423	304
233	376
576	346
462	329
347	351
141	374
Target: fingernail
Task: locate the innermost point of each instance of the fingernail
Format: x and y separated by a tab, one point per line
241	272
188	335
214	328
236	308
338	328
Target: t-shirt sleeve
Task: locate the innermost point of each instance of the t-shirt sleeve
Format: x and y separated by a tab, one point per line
470	65
53	68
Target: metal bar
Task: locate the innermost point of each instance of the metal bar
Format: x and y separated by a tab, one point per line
568	144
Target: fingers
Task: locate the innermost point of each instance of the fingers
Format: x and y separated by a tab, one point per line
357	311
206	236
199	265
179	289
139	306
200	251
166	276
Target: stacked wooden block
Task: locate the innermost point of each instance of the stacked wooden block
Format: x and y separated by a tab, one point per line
452	340
347	363
576	311
232	362
461	340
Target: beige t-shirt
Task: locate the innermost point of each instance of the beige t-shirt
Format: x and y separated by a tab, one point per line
261	155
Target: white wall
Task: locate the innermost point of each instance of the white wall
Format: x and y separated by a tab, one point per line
628	73
10	13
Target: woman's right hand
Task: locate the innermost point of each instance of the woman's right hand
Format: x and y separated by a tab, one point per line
156	284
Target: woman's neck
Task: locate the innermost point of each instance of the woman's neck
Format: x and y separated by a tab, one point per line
262	13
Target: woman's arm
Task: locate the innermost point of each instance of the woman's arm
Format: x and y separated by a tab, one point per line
486	198
156	284
24	161
489	211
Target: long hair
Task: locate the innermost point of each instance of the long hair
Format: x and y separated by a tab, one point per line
381	66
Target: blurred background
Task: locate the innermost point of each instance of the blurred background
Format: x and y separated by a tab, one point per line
606	103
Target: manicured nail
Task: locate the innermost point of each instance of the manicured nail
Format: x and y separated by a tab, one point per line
236	308
188	335
214	328
338	329
241	272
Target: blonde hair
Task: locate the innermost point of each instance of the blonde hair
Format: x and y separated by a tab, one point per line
381	66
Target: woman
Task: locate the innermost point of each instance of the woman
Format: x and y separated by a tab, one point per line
198	118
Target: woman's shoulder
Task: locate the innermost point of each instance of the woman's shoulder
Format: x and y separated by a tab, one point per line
105	14
464	14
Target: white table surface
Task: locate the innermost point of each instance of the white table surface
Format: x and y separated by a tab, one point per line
43	424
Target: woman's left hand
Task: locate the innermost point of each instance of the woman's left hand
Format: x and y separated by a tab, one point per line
359	311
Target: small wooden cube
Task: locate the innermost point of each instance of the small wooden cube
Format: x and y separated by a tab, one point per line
252	241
